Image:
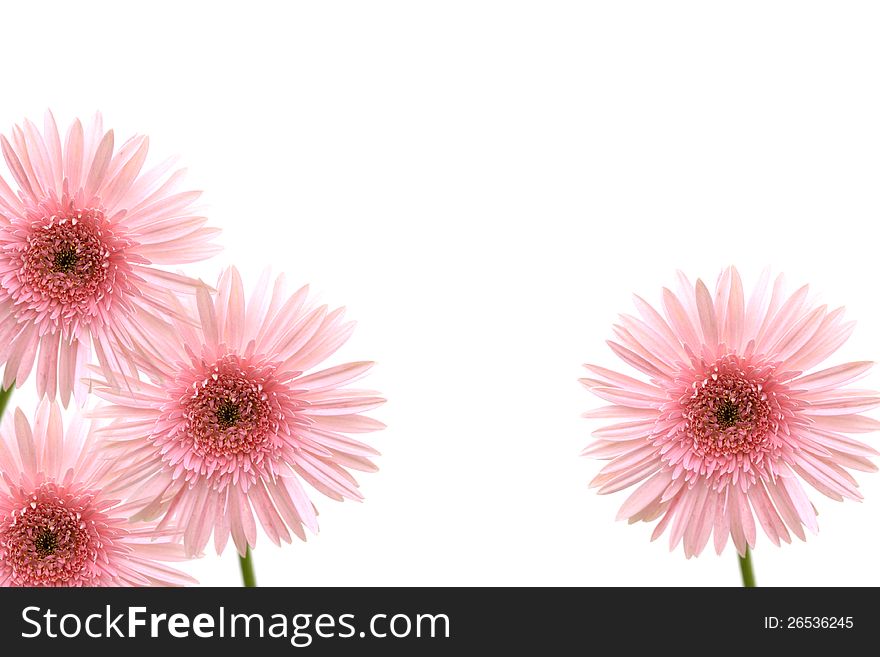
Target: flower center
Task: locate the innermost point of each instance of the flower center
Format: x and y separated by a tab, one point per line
50	538
723	418
229	411
727	414
65	259
46	543
70	264
228	414
227	419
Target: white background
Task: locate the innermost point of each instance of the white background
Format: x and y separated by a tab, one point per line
484	185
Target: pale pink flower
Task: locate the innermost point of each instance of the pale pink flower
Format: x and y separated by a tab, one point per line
731	421
231	421
76	247
62	522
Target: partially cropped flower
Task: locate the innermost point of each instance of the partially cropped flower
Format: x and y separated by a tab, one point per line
732	421
77	245
62	523
233	420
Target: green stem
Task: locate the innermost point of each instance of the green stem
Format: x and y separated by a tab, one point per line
247	569
4	397
745	568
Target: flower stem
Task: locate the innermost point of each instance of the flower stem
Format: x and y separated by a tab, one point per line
745	568
247	569
5	394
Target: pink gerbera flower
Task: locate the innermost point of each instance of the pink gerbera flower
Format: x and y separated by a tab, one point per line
230	422
730	423
61	521
76	247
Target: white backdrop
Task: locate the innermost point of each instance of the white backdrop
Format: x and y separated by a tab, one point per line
484	184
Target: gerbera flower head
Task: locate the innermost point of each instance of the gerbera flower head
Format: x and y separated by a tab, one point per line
233	419
731	421
77	243
62	523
